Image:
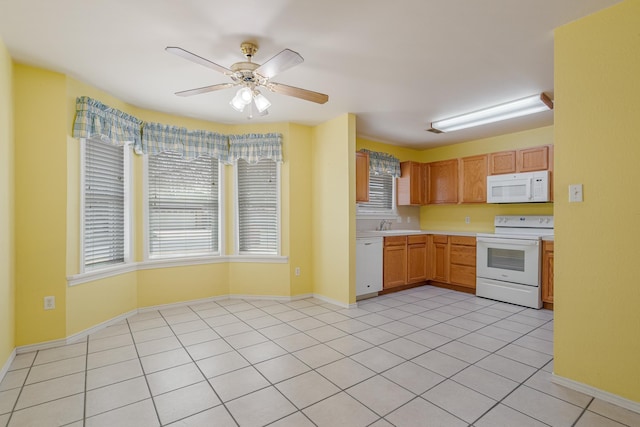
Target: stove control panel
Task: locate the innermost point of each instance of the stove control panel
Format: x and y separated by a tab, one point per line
524	221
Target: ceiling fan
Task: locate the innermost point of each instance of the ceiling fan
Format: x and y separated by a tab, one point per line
250	77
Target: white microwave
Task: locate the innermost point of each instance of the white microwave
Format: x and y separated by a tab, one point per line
527	187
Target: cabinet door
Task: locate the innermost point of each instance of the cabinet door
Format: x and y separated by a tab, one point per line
362	177
394	266
547	272
502	162
473	179
416	259
440	259
533	159
443	182
410	186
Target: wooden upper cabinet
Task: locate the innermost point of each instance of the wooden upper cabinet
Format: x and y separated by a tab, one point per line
443	182
533	159
502	162
411	185
473	179
362	177
526	160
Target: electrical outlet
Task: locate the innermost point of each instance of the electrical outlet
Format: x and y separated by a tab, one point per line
467	220
297	271
49	303
408	220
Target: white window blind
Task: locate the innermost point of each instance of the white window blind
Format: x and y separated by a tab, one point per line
257	207
183	205
104	207
380	194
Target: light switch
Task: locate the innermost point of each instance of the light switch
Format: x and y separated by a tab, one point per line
575	193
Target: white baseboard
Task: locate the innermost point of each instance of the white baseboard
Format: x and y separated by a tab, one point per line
7	365
181	304
41	346
596	392
335	302
83	334
78	336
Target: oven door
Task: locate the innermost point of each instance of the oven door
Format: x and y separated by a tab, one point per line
509	260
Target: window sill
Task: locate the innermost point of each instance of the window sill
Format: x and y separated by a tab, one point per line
104	273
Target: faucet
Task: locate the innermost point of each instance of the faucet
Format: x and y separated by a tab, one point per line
384	225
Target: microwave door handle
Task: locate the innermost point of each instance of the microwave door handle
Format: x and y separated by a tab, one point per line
530	188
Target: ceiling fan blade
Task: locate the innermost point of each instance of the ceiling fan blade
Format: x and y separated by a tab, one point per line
197	59
279	63
204	89
307	95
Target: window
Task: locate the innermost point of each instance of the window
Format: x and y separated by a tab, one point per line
105	211
381	194
258	207
183	205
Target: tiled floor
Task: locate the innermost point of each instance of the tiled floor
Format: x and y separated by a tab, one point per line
422	357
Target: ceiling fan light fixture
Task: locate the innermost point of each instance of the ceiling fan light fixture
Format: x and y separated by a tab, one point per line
262	103
237	104
508	110
245	95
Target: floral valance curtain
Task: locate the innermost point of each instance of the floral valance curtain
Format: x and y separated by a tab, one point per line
96	120
158	138
383	163
255	147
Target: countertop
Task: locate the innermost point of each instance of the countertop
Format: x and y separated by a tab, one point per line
372	233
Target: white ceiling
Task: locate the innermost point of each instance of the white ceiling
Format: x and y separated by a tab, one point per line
397	65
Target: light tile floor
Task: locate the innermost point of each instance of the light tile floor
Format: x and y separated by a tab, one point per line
425	356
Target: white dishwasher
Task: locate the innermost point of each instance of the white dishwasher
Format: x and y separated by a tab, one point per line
368	265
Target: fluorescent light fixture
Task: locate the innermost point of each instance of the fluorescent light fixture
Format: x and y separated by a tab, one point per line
508	110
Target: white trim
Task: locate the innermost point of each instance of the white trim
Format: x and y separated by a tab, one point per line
145	207
597	393
103	273
83	164
334	302
41	346
270	297
71	339
268	259
152	263
7	365
78	336
182	303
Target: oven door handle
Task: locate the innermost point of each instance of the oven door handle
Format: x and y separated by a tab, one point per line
513	242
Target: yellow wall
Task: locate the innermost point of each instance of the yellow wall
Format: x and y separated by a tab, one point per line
597	296
7	254
40	126
299	155
333	209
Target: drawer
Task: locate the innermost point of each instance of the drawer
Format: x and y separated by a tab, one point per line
462	240
395	240
440	238
463	255
463	275
421	238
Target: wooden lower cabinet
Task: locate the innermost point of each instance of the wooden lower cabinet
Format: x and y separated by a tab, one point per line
416	259
439	258
453	261
394	265
547	274
462	257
